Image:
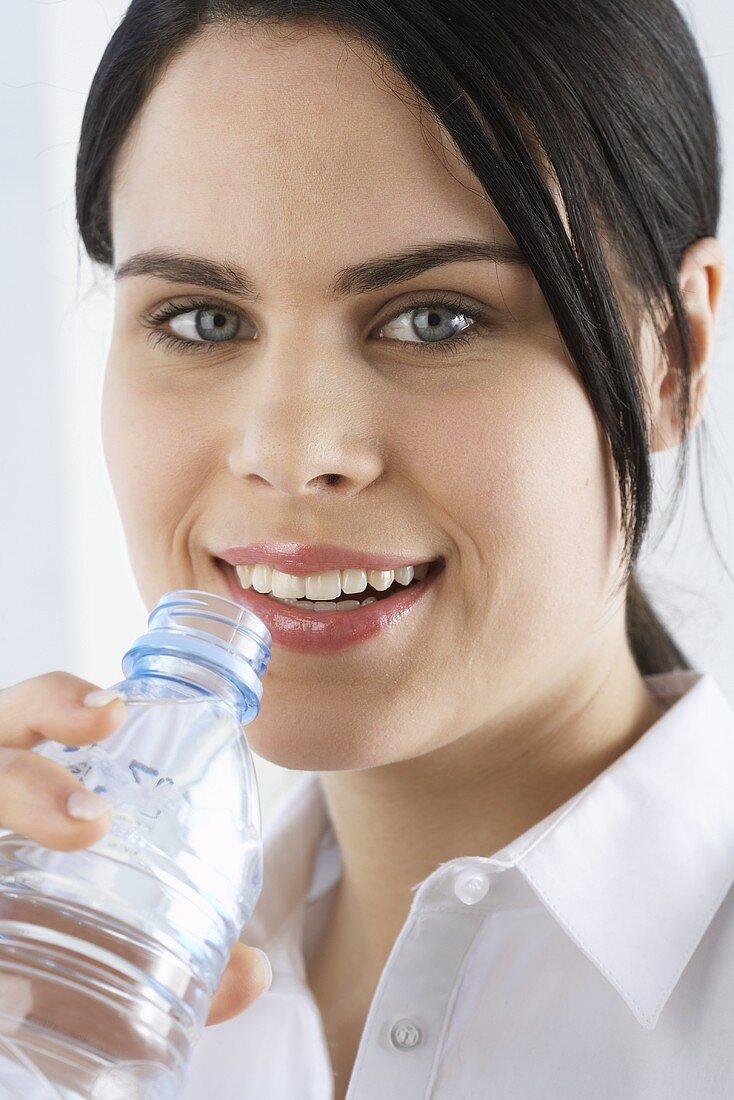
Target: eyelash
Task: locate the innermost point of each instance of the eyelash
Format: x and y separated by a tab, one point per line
156	318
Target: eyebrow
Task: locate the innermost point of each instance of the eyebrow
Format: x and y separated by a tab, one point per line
357	279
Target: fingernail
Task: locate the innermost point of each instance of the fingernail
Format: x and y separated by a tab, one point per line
101	698
87	805
267	969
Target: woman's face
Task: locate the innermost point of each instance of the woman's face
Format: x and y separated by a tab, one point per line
294	160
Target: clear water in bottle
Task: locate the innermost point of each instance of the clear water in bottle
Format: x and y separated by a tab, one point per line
109	955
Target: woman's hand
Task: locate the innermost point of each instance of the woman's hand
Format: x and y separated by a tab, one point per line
246	977
35	793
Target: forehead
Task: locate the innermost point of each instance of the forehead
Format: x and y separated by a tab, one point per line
295	146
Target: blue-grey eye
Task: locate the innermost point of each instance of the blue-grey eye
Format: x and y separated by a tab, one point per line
427	324
207	325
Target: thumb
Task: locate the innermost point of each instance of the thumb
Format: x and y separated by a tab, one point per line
246	977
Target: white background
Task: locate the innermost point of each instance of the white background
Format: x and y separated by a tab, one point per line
69	598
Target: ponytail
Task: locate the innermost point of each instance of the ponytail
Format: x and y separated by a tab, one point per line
652	646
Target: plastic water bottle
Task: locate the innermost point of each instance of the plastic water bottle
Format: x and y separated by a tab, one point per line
110	955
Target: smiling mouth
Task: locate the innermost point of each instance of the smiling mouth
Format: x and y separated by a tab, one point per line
345	601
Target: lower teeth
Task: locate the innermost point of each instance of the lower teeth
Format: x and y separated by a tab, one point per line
327	605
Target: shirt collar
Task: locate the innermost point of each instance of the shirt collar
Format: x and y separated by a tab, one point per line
632	867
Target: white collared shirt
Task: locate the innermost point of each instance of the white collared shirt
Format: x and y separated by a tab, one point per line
592	957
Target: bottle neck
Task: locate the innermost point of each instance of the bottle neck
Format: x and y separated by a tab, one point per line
198	642
180	677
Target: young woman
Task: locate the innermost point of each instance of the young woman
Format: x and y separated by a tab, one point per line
407	296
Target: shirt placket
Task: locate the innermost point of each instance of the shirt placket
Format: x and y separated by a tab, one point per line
410	1010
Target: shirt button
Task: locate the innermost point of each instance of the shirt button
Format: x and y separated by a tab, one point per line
470	886
405	1034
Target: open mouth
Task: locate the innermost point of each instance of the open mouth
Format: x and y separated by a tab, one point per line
346	601
321	627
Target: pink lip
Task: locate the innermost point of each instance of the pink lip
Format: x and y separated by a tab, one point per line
300	560
324	631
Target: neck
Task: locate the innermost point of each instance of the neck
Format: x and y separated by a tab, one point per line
396	823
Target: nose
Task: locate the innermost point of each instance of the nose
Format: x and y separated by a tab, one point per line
305	428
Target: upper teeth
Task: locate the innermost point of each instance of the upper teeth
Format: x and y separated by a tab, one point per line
324	586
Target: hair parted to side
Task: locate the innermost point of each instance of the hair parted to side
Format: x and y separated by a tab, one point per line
611	97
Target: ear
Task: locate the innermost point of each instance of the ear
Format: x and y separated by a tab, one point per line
700	278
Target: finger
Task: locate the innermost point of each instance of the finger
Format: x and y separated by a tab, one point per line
50	706
33	802
246	977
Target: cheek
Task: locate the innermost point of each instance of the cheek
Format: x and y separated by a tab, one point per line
157	454
521	478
